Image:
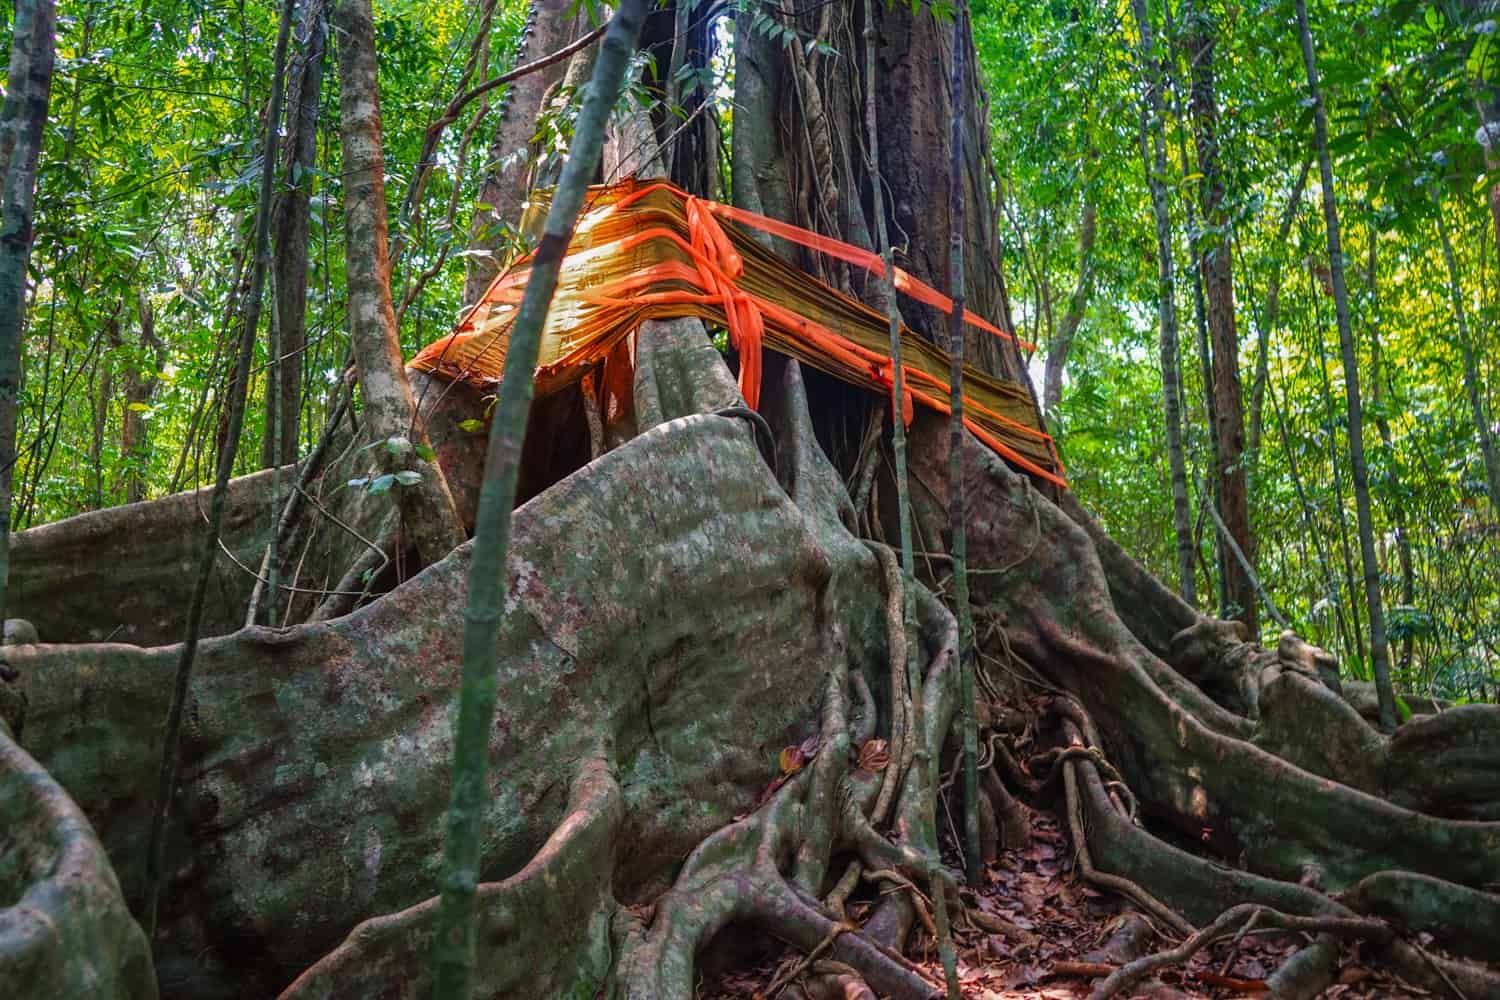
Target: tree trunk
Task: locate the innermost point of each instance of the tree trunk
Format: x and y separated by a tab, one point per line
32	54
1200	312
142	370
669	616
429	517
1398	502
291	225
1270	314
913	138
1218	284
1329	422
1062	340
102	388
1153	118
455	942
958	548
1472	384
505	187
1379	657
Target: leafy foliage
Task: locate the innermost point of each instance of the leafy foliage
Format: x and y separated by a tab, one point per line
1400	81
147	184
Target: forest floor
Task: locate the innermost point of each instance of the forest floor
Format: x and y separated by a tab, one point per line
1054	919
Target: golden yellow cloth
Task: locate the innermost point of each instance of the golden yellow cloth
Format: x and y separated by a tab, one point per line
647	250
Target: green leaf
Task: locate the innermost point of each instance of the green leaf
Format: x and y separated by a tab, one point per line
425	453
471	426
382	485
408	477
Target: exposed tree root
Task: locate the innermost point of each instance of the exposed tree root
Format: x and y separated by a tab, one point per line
1230	920
556	909
1243	750
64	928
1166	729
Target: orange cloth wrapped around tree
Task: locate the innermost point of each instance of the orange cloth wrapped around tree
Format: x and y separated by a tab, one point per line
648	250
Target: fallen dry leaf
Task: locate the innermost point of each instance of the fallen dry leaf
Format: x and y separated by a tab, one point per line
875	755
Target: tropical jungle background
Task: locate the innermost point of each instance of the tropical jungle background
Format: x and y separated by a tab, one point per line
145	208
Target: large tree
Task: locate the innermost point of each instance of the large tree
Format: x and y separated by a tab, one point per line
684	603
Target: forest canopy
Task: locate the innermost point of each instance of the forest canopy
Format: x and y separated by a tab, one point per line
145	205
981	493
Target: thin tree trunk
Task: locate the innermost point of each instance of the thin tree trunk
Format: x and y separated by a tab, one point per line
1218	285
1153	115
956	505
141	380
550	25
291	217
454	942
1200	311
234	423
1309	523
1062	341
1379	657
32	54
1336	467
1270	315
914	723
102	391
1472	381
1398	506
429	519
893	317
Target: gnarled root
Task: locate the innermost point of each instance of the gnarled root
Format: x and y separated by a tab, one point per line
556	911
1245	751
64	928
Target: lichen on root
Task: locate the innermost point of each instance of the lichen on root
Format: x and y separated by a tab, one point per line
684	607
1298	803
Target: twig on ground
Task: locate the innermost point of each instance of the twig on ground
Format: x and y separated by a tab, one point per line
1242	915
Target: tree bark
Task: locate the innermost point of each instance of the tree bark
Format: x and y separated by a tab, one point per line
32	55
1379	656
291	225
1153	116
1218	284
551	25
429	518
